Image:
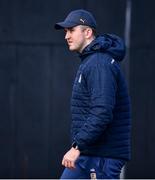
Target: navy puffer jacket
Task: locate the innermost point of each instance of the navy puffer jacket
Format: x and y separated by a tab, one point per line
100	102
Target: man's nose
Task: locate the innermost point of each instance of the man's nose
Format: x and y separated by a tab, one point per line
67	35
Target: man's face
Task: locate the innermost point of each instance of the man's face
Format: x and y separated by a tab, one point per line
75	38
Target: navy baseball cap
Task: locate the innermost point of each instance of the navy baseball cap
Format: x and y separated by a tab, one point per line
77	17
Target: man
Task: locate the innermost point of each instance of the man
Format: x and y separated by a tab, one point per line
100	103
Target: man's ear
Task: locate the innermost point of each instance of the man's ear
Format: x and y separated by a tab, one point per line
89	32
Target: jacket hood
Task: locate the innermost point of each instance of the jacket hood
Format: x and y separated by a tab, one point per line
108	43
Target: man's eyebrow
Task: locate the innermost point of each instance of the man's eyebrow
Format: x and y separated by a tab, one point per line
70	28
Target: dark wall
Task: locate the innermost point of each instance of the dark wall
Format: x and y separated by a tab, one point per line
36	76
142	87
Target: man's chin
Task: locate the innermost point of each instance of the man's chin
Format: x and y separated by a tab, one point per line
72	49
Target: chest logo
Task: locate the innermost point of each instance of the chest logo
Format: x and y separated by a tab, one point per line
112	61
80	78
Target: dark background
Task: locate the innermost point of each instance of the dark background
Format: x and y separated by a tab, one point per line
36	76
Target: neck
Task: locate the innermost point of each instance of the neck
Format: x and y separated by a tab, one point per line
88	41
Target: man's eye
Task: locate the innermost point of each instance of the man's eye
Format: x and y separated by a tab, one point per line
72	29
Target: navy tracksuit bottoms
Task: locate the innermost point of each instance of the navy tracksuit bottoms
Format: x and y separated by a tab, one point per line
88	167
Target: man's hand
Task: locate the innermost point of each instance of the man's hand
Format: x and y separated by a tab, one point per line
70	157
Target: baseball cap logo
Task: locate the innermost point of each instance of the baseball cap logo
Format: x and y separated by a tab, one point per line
83	21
